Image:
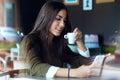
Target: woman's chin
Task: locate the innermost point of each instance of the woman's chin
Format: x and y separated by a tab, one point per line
57	34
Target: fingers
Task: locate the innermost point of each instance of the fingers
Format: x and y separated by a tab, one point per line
78	34
76	30
94	70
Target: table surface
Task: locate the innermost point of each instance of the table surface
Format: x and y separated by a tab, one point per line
110	71
111	68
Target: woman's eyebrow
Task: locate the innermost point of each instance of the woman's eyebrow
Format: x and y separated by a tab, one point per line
60	16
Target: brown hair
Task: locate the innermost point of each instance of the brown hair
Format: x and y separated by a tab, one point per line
43	22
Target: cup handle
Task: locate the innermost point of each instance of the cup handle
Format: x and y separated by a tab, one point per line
65	36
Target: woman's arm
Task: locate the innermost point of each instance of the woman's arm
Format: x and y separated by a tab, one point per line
80	44
82	71
37	68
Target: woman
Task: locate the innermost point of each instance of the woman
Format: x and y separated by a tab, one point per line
46	50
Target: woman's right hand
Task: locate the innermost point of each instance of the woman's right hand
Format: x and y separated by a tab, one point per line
85	71
82	71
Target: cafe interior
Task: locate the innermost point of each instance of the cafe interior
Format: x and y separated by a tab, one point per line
99	21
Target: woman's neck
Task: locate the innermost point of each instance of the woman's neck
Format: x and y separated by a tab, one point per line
50	38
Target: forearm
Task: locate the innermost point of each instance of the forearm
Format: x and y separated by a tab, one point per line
81	45
63	72
82	49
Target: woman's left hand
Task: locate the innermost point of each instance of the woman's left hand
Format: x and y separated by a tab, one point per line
78	34
78	38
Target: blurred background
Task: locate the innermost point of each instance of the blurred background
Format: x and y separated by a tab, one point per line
102	20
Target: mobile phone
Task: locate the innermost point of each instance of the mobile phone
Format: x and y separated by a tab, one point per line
100	58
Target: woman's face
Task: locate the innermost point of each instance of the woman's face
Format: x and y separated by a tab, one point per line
58	24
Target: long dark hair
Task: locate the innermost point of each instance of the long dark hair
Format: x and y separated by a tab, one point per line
43	22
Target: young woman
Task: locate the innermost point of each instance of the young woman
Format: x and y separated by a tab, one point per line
46	50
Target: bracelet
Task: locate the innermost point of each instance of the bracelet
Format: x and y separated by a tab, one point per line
68	72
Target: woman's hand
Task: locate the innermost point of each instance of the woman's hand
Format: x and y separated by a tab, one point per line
78	34
82	71
85	71
78	38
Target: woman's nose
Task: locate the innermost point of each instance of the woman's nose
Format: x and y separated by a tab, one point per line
62	23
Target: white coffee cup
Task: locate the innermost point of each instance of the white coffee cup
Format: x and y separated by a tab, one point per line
71	37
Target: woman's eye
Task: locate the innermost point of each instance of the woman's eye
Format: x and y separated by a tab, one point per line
58	19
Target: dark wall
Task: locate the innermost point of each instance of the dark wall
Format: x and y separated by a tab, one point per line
29	10
104	19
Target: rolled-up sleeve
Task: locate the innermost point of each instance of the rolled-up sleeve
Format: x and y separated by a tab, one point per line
84	54
75	49
51	72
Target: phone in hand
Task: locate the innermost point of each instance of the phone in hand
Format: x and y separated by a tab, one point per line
100	58
99	61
